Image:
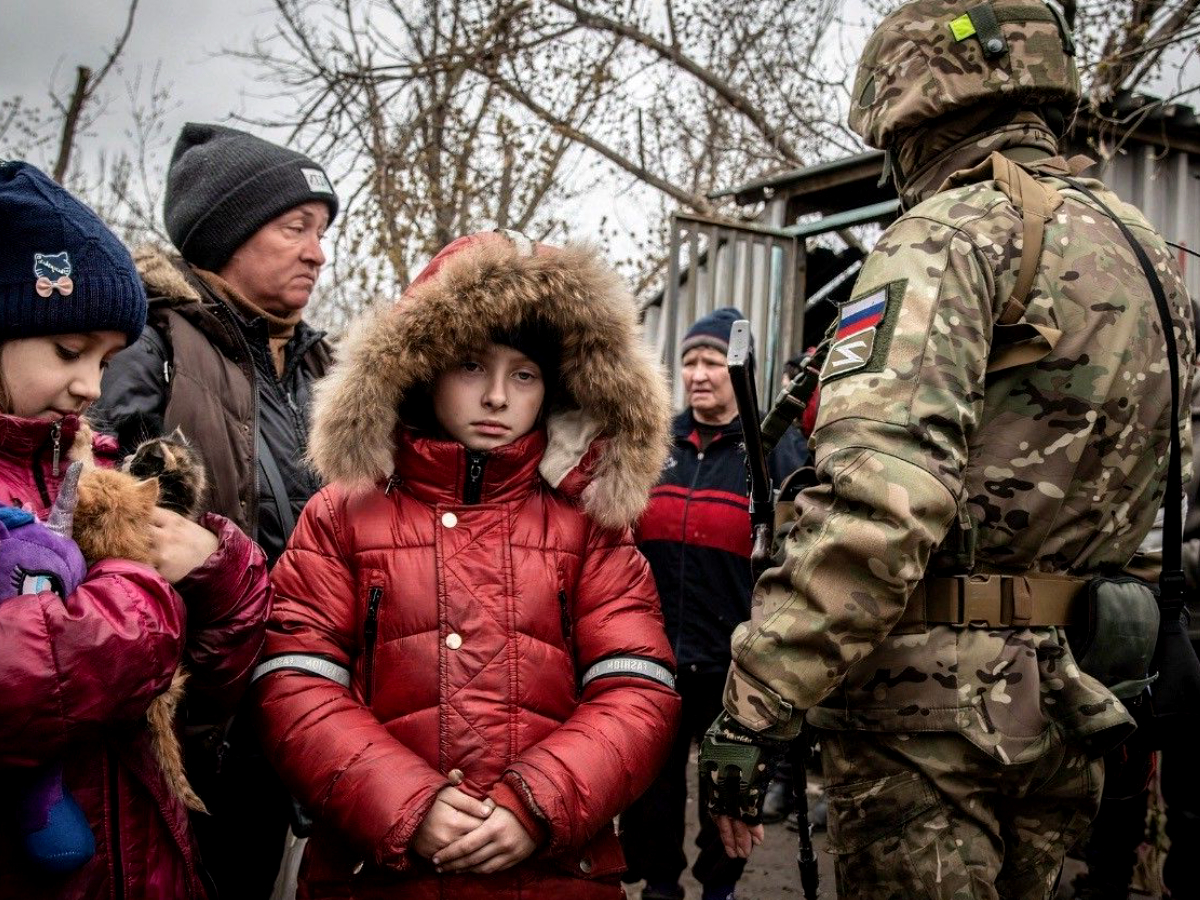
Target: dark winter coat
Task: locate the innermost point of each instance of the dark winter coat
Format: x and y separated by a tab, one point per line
201	366
78	676
696	535
488	618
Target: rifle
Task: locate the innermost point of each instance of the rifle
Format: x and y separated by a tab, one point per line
762	520
762	509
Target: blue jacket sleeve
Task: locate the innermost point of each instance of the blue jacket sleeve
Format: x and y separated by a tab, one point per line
789	455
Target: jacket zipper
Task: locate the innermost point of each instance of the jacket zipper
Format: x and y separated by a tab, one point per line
118	867
56	437
683	548
56	457
370	632
473	487
223	315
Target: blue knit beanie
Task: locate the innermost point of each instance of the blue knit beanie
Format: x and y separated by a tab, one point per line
712	330
61	270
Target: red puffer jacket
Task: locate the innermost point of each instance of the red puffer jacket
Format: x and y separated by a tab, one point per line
78	676
463	621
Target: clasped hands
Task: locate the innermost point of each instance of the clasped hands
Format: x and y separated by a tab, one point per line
462	834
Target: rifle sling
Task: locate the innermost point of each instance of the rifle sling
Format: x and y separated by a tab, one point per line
1171	580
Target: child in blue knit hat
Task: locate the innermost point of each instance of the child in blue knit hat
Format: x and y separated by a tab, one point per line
80	667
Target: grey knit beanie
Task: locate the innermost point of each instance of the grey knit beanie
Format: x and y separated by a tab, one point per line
224	184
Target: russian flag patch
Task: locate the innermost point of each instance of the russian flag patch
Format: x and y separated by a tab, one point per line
863	332
859	315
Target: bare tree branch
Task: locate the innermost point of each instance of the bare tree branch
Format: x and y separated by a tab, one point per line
734	98
79	96
570	131
86	85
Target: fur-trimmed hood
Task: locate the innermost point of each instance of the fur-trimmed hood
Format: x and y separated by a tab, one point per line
607	440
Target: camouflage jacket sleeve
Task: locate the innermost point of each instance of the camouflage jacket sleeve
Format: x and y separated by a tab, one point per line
901	392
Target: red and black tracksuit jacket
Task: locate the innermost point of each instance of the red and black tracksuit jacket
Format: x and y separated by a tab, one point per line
696	535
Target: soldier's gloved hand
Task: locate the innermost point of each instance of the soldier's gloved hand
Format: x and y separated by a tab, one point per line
735	767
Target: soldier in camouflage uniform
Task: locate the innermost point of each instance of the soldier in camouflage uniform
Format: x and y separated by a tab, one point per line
959	438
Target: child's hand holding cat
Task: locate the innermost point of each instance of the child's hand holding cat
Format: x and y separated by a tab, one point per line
179	544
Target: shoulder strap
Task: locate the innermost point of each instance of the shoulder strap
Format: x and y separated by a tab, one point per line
270	468
1171	581
1035	202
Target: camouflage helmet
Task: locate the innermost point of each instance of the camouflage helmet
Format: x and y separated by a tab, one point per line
932	57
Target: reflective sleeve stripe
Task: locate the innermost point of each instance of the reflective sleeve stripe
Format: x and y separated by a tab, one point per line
303	662
637	666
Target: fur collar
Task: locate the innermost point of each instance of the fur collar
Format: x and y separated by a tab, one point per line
163	274
607	451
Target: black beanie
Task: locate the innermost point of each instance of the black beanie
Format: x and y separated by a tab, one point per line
540	343
712	331
224	184
62	271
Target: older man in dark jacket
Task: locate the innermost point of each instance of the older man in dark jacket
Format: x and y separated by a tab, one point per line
696	536
228	359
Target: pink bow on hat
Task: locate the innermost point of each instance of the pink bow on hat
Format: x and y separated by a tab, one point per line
45	287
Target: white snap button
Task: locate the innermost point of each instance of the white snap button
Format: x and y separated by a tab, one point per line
449	520
585	865
455	776
453	640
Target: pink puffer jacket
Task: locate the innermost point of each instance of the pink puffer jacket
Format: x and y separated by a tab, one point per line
77	678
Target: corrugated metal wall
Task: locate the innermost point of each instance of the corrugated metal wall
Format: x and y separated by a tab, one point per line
1165	185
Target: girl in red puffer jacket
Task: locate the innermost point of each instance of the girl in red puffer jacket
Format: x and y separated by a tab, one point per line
77	673
466	674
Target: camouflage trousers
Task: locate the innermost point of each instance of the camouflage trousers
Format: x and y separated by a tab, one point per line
930	815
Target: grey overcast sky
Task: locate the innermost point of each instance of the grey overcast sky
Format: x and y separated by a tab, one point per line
44	40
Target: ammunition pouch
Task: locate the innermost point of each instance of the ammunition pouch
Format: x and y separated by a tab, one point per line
1115	645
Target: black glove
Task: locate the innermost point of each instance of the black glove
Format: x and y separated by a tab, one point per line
735	767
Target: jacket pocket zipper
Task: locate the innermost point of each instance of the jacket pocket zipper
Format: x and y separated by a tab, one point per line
370	632
565	612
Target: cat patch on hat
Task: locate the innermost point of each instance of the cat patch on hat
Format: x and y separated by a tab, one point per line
53	273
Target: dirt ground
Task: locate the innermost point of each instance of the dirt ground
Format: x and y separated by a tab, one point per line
771	871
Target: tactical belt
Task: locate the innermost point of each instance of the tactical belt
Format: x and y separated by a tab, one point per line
995	601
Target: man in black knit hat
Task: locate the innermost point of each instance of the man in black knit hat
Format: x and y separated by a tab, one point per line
228	359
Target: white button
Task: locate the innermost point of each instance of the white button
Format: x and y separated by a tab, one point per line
453	640
449	520
585	865
360	866
455	776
